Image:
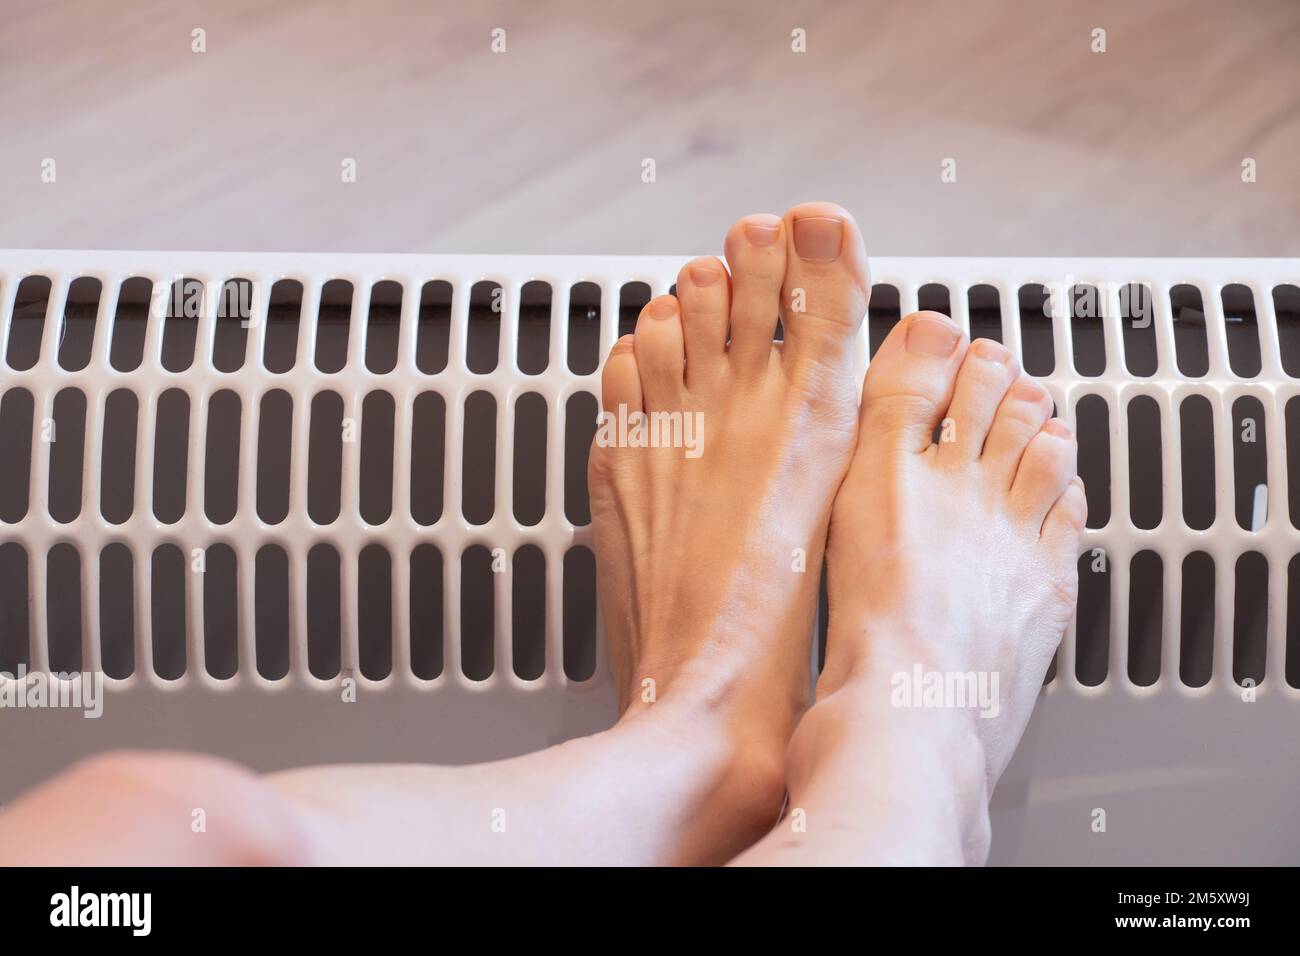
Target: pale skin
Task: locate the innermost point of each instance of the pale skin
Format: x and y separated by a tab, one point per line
958	556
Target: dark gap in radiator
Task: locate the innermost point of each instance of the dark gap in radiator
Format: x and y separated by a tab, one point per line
1092	429
1242	328
1138	327
934	297
375	620
1145	453
1292	413
181	328
117	461
333	325
16	410
1146	593
1086	330
234	317
221	461
984	306
477	614
77	334
274	456
823	619
167	610
883	313
283	319
1250	462
1036	336
1092	631
579	614
171	453
1196	640
271	612
533	344
14	620
426	611
1286	306
324	614
130	324
63	608
632	298
433	330
66	436
483	337
1190	341
28	324
1250	619
428	444
778	334
528	613
220	612
1052	667
383	326
1293	622
530	458
325	458
376	492
1196	429
117	611
478	465
584	328
579	430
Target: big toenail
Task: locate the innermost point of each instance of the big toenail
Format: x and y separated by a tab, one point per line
991	351
703	275
929	336
664	307
1027	390
1054	426
818	238
762	230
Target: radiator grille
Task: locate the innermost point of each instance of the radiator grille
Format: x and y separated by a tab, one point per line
272	468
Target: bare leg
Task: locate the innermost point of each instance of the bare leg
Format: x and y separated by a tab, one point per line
708	555
659	787
952	576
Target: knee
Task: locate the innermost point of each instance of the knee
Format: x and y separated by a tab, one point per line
199	809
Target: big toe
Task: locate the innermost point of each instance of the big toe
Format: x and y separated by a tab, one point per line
827	283
909	382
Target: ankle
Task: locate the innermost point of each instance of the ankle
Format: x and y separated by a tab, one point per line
918	776
739	745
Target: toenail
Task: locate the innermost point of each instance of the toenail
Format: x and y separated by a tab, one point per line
991	351
703	275
818	238
762	230
664	307
1054	426
1027	390
930	336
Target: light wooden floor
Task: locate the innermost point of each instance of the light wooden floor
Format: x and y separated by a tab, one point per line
1136	151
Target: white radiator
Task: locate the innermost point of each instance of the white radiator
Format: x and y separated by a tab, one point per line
372	467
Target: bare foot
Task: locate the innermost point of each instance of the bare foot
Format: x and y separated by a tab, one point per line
952	575
709	555
960	556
